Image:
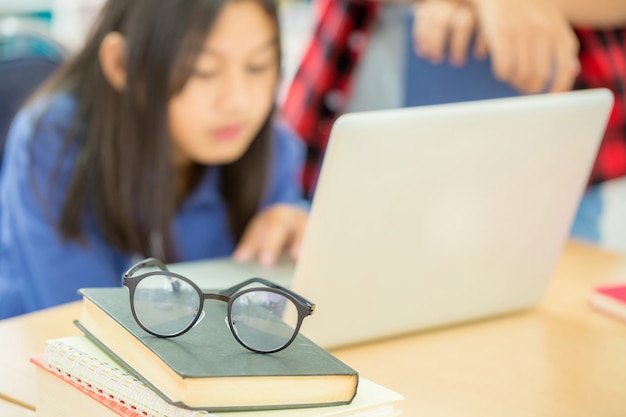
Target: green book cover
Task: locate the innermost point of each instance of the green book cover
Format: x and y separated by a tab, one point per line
207	368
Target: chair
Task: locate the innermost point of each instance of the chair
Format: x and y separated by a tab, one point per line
27	57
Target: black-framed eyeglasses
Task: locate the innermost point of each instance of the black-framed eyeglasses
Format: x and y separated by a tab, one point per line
263	319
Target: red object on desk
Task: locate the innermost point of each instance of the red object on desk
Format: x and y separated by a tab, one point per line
610	299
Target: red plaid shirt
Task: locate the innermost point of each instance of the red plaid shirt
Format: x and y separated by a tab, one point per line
318	92
603	64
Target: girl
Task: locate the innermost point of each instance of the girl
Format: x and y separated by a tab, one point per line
157	139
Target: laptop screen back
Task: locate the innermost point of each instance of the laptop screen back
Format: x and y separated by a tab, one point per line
435	215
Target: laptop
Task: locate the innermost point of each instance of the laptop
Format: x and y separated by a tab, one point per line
437	215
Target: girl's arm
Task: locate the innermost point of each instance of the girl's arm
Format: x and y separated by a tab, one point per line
38	268
282	220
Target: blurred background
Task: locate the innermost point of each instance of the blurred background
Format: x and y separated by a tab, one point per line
66	22
36	36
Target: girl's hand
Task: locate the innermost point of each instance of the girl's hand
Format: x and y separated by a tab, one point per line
277	228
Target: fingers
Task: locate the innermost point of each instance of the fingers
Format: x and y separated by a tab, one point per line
549	52
546	62
270	232
263	239
247	248
440	25
524	72
272	241
501	46
431	26
539	74
298	236
567	65
463	23
522	63
531	44
480	46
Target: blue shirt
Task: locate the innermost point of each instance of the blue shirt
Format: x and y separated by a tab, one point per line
38	269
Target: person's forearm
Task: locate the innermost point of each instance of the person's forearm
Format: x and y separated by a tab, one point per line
395	1
601	14
598	14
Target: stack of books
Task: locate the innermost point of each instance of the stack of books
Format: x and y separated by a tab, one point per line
117	369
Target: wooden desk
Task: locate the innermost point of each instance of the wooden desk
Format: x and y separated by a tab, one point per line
10	409
561	359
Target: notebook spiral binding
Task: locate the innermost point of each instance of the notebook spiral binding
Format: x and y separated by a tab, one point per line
111	382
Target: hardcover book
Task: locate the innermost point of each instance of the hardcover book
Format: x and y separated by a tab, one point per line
206	368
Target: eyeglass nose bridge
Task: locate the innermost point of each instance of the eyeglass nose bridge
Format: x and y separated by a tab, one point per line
219	297
208	296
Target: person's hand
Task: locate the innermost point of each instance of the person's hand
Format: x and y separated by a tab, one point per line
530	42
277	228
445	26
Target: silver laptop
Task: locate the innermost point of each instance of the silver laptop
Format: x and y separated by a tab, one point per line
436	215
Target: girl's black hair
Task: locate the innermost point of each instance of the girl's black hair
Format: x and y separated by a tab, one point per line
123	172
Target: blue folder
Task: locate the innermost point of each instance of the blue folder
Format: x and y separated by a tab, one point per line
428	83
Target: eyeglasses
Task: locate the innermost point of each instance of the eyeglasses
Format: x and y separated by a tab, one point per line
263	319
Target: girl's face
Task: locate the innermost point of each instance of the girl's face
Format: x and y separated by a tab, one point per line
231	90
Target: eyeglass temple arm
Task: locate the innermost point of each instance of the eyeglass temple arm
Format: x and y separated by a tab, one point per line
232	290
146	263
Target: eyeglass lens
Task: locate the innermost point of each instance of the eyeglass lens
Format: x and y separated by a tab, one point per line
166	305
263	320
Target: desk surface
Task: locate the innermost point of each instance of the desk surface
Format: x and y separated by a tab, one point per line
10	409
560	359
